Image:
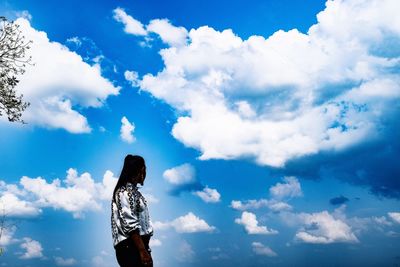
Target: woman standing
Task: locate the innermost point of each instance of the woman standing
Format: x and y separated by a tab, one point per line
130	221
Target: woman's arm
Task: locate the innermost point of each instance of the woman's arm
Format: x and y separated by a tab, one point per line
130	222
144	254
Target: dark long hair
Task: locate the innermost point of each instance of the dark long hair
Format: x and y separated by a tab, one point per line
133	164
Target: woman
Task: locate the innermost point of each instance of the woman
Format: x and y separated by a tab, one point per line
130	221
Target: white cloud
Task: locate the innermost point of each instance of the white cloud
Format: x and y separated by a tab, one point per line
132	77
256	204
127	129
33	249
154	242
132	26
171	35
24	14
15	207
208	195
244	109
11	188
219	254
150	198
365	224
54	85
279	206
381	221
291	188
185	252
157	225
7	236
395	216
64	262
285	96
250	204
106	188
261	249
98	261
182	174
250	223
79	193
323	228
188	223
75	40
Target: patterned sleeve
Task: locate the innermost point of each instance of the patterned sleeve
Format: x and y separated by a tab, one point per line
126	208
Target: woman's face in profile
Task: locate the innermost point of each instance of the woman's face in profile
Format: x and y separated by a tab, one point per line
142	175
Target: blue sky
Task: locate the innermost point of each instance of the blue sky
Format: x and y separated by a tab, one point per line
270	131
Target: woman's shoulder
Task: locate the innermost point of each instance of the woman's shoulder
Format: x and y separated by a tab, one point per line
128	188
121	191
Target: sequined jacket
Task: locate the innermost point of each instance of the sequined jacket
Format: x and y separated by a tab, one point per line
129	213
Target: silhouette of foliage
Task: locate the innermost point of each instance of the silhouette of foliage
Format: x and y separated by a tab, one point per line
13	61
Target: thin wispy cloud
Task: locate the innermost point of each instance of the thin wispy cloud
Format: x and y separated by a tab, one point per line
60	261
261	249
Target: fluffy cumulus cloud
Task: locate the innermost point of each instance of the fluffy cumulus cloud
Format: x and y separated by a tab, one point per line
182	174
60	261
250	223
126	132
132	77
13	206
291	188
54	85
189	223
261	249
77	194
169	34
323	228
208	195
33	249
286	96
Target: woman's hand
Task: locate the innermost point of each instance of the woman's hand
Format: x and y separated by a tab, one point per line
145	257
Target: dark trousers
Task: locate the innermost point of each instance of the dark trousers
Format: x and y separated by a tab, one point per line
128	255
